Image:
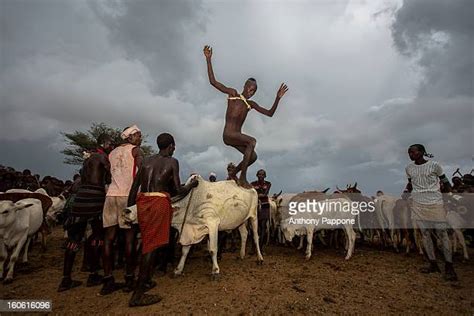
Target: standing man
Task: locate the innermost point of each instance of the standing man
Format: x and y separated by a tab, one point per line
428	211
87	208
238	106
156	178
263	189
123	165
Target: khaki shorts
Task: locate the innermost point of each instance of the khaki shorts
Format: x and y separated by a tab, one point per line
112	214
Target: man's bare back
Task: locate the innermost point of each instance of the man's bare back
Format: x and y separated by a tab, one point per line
237	108
96	170
159	173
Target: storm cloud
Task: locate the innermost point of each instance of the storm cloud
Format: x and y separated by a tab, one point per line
366	79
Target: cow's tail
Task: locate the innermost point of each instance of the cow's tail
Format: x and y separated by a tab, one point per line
186	213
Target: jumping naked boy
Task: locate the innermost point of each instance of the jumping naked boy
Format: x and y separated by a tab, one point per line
238	106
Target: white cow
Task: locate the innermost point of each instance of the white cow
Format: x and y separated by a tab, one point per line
18	222
58	202
384	210
212	207
280	203
55	209
57	206
457	207
304	223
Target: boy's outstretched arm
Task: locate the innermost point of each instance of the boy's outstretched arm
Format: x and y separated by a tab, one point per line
281	92
219	86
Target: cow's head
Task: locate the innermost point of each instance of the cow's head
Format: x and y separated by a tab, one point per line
193	176
8	211
129	215
288	230
57	205
276	195
349	189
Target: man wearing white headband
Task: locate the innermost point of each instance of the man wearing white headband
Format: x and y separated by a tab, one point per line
130	131
124	162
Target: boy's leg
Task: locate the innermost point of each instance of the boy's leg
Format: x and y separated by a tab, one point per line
246	145
109	281
130	259
76	231
96	246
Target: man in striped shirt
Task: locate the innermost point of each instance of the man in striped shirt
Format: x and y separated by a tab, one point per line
427	207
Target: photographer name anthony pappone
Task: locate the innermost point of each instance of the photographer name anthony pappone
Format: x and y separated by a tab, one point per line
322	221
329	206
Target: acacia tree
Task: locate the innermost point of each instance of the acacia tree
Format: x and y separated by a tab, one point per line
79	141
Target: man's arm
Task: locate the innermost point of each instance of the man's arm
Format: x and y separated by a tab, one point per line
267	191
106	163
216	84
132	195
409	186
181	190
446	185
442	177
281	92
138	157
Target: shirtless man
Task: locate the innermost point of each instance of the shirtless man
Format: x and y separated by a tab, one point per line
156	178
87	208
238	106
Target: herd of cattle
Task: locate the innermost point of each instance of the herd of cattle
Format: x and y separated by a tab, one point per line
224	206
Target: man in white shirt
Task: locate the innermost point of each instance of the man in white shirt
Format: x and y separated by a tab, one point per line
427	207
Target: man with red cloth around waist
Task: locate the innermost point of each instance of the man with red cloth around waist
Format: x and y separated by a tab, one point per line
157	176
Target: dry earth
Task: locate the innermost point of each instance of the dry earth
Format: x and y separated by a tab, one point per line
372	282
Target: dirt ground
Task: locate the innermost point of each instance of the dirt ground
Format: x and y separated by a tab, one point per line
371	282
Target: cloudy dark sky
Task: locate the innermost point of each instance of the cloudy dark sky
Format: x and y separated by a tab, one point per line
366	79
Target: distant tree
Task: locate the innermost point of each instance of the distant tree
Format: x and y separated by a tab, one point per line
79	141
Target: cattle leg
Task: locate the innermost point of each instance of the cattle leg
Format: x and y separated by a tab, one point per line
25	252
395	235
351	236
280	235
213	232
267	232
309	239
3	256
460	237
243	239
255	239
14	257
179	269
321	238
301	242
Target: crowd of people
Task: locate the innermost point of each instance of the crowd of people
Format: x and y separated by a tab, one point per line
14	179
